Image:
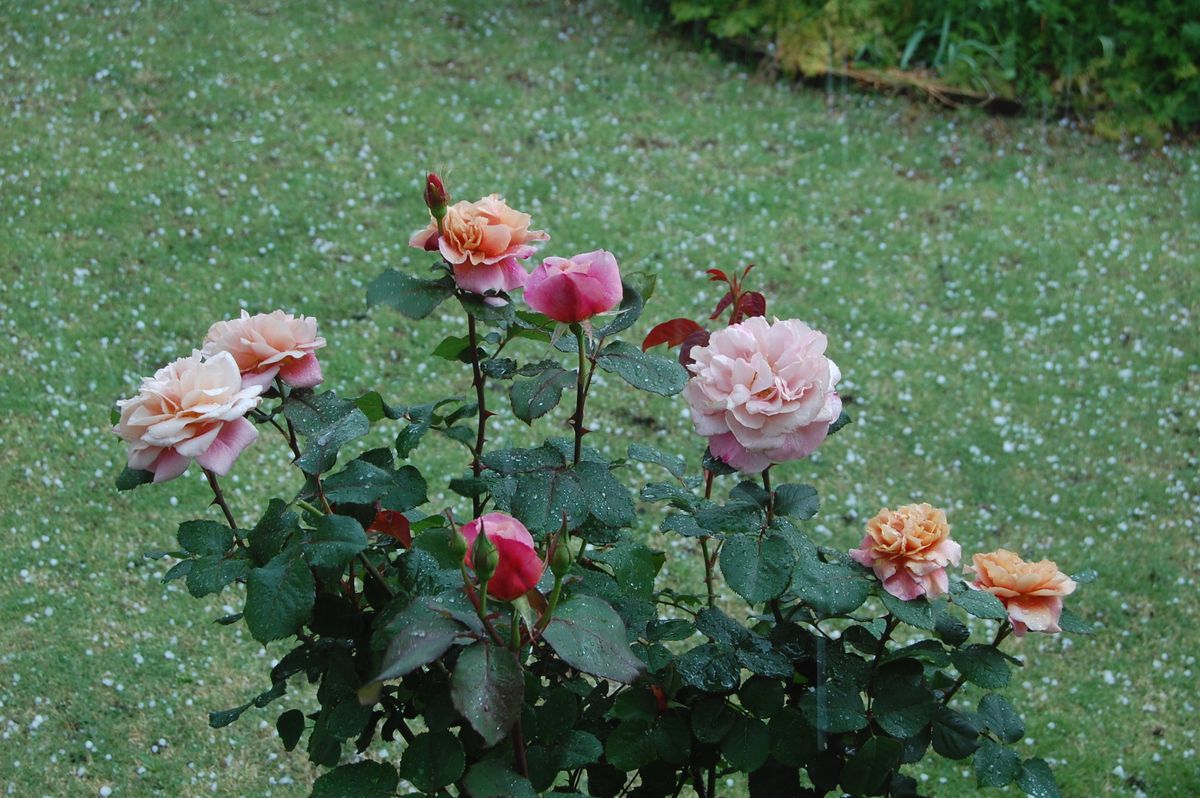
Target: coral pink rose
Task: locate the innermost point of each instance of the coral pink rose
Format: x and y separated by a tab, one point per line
267	345
520	568
909	549
571	290
191	409
483	241
763	392
1032	592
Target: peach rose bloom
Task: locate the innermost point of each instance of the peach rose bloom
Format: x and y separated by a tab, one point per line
763	392
483	241
191	409
909	549
267	345
1032	592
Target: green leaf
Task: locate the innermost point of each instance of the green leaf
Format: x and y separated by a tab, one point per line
793	739
643	370
454	347
628	311
871	766
491	778
279	597
979	603
213	573
290	727
1083	578
1070	622
797	501
335	541
1037	780
916	612
411	296
982	665
375	409
631	745
949	628
634	566
271	533
543	497
955	736
712	719
828	588
535	397
361	482
747	744
757	568
575	749
205	537
130	478
842	420
607	499
1001	718
675	464
761	696
709	668
327	423
359	780
432	760
487	688
834	708
417	635
669	629
902	709
589	636
995	765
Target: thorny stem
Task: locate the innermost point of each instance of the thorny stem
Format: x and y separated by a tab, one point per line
708	565
766	480
1004	631
581	388
219	499
518	737
481	404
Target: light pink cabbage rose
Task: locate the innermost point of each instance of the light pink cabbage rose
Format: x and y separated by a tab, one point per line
571	290
763	393
267	345
909	549
1032	592
483	241
191	409
520	567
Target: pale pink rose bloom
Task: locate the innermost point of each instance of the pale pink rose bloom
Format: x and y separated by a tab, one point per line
909	549
763	393
1032	592
483	241
520	567
571	290
267	345
191	409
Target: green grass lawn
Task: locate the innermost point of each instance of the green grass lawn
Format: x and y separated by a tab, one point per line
1014	308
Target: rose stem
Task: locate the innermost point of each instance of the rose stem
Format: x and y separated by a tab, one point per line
708	569
580	395
219	499
481	404
1005	631
766	480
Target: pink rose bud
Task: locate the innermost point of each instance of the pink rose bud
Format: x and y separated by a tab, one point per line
483	242
519	567
571	290
909	550
762	392
1032	592
436	197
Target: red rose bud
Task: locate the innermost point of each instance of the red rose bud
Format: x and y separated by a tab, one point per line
393	524
436	198
517	568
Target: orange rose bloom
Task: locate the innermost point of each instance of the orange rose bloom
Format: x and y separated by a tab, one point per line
1032	592
909	549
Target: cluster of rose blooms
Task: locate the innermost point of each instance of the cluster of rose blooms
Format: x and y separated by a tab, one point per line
761	393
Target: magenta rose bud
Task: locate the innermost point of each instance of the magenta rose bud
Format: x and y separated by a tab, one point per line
519	568
571	290
763	392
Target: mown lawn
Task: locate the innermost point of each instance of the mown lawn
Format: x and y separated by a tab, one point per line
1014	308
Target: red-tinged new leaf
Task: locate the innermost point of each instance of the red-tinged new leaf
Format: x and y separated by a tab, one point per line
717	276
752	303
724	303
672	333
685	350
746	271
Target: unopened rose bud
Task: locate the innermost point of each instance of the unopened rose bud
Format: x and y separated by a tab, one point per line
560	558
485	559
436	198
457	543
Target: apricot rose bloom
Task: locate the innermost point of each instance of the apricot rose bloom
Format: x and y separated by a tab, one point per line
763	392
520	567
1032	592
571	290
267	345
909	549
482	241
191	409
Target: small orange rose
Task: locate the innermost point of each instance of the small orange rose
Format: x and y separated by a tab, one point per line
909	549
1032	592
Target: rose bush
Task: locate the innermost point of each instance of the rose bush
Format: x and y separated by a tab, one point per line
530	648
